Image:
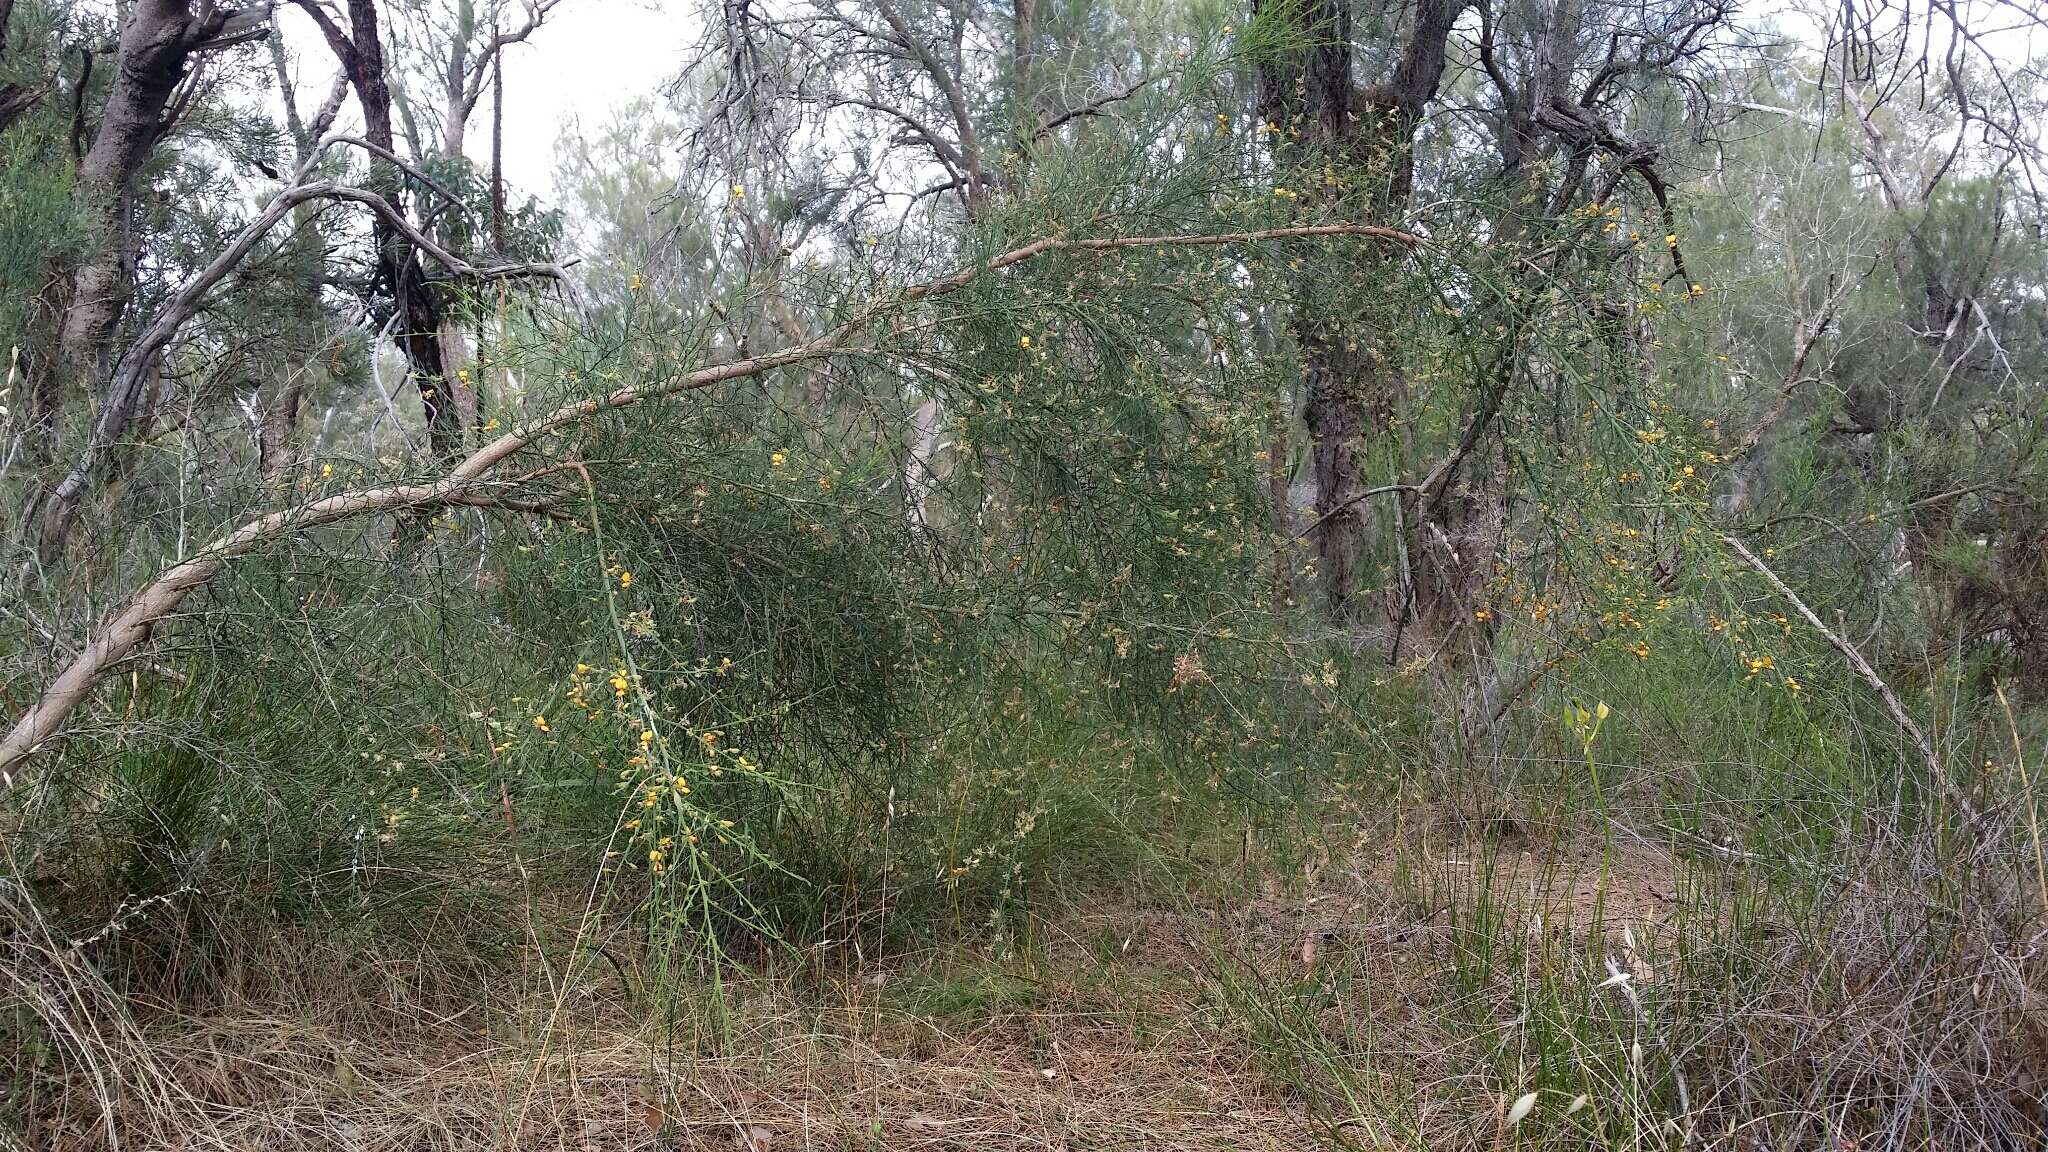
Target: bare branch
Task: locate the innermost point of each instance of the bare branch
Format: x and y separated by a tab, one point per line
1949	789
128	629
131	374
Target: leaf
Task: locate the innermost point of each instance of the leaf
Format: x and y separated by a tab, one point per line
1520	1109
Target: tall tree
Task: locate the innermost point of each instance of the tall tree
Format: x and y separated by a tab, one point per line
415	305
153	82
1351	148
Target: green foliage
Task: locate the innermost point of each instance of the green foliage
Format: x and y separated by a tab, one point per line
1008	600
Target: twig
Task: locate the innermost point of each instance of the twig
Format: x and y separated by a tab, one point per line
1884	692
1795	375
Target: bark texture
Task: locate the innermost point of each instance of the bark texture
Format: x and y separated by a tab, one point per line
1352	149
157	46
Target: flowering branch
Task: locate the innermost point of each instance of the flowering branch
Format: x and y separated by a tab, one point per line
1949	788
121	634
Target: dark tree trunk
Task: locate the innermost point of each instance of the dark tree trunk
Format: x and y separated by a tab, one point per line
1352	390
418	328
398	265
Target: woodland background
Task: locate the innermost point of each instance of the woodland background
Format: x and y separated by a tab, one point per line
1026	573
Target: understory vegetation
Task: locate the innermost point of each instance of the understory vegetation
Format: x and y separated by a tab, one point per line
1447	574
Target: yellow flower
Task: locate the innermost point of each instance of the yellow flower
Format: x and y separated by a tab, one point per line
1671	239
777	459
1023	341
326	470
633	285
739	191
625	579
540	722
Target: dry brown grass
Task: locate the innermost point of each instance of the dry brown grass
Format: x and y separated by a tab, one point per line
1338	1004
863	1058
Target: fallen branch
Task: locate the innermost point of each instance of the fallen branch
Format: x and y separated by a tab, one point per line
129	628
1900	716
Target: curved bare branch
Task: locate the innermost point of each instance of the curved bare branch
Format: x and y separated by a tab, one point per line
121	634
130	377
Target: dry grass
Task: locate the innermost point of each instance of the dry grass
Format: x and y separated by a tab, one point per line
1066	1052
1343	1003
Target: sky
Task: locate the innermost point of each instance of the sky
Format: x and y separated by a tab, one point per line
589	58
592	57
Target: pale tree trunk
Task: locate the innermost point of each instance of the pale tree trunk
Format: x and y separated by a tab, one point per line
277	432
920	474
475	54
157	44
457	103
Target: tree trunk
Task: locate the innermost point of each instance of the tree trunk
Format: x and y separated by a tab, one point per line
361	52
157	44
1320	122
